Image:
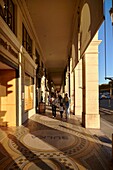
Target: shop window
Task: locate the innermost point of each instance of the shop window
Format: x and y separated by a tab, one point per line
26	40
29	81
7	12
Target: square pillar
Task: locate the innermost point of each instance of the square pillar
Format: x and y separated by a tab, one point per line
90	115
72	91
78	89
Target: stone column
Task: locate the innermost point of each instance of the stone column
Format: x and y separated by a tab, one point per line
90	115
78	89
72	92
20	93
67	82
22	81
43	88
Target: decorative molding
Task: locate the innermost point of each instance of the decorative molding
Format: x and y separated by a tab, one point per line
8	47
6	32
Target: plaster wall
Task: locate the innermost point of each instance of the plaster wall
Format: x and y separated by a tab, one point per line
8	98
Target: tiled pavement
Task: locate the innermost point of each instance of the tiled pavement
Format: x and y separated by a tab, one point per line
44	143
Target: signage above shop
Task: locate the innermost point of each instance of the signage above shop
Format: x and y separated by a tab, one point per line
8	47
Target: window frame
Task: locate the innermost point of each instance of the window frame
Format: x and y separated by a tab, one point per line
26	40
8	14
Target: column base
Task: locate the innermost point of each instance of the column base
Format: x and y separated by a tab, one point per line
78	111
91	121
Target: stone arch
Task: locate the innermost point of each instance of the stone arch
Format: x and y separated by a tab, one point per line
85	27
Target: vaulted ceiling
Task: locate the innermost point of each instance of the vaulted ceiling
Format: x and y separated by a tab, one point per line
56	25
53	22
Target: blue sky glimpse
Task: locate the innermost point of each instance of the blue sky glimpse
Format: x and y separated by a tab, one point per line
106	46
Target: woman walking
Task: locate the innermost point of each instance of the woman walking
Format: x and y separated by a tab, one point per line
61	108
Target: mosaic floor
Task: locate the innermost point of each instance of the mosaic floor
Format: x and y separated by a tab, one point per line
44	143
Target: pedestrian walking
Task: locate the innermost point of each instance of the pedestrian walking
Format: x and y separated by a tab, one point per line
66	105
54	105
61	108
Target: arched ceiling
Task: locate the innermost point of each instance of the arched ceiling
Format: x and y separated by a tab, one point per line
53	20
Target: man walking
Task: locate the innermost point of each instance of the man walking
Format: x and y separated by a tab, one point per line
66	105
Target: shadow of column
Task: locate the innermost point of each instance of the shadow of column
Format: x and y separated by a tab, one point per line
29	155
5	158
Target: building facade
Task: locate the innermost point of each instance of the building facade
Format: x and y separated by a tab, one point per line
23	80
17	64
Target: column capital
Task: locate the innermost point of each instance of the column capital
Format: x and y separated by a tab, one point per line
93	47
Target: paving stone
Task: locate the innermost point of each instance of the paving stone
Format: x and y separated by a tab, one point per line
46	143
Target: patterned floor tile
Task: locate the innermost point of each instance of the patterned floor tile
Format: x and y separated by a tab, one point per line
52	144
